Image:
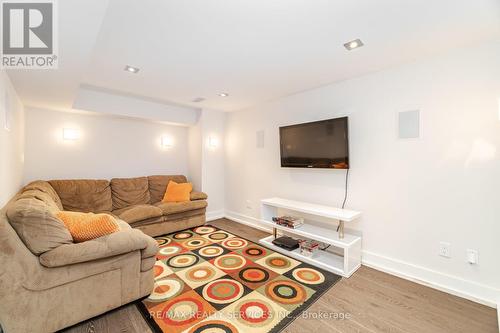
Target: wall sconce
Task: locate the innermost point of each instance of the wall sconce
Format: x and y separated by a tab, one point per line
213	142
166	142
70	134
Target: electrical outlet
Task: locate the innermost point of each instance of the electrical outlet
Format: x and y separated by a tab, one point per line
445	249
472	256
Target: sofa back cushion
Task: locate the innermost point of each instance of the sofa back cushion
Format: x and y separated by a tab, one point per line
127	192
42	196
45	187
84	195
35	223
158	186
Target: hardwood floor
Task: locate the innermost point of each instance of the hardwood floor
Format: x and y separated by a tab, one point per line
369	301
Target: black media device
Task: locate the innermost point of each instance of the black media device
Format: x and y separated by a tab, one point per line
287	243
320	144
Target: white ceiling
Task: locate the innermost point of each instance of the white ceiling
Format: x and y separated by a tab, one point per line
256	50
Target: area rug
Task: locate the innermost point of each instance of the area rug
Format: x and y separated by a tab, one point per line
209	280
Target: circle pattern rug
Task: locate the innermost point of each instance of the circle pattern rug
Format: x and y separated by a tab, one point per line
170	250
208	280
162	241
204	230
182	311
234	243
254	252
166	289
253	275
200	274
214	326
183	261
255	312
278	262
195	242
229	262
160	270
286	292
182	235
218	236
211	251
223	291
308	275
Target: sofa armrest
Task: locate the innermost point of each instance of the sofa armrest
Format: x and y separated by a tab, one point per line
151	249
198	196
117	243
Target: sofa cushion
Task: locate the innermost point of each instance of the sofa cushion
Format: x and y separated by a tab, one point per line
158	186
36	225
42	196
184	215
138	213
152	220
169	208
45	187
126	192
104	247
84	195
198	196
123	225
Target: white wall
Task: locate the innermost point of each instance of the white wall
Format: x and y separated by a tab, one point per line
119	104
194	156
11	141
108	147
212	167
415	193
206	163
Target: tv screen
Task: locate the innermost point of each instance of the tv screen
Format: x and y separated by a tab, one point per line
320	144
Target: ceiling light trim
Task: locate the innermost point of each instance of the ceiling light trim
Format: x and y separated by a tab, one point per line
131	69
354	44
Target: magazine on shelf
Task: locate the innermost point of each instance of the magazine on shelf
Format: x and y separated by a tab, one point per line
289	221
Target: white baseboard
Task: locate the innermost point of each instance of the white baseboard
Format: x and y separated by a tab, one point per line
447	283
214	215
247	220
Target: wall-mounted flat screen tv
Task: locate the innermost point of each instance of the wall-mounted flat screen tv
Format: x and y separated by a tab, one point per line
319	144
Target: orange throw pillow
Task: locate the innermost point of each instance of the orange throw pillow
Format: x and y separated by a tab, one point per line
177	192
87	226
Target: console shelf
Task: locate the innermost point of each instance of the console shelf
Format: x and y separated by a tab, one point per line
313	209
326	260
319	233
346	257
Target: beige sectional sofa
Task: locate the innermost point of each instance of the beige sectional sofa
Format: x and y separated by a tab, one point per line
137	201
47	282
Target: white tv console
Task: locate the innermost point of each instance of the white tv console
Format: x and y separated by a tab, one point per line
347	257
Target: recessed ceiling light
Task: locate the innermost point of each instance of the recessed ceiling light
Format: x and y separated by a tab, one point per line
198	100
353	44
223	94
131	69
